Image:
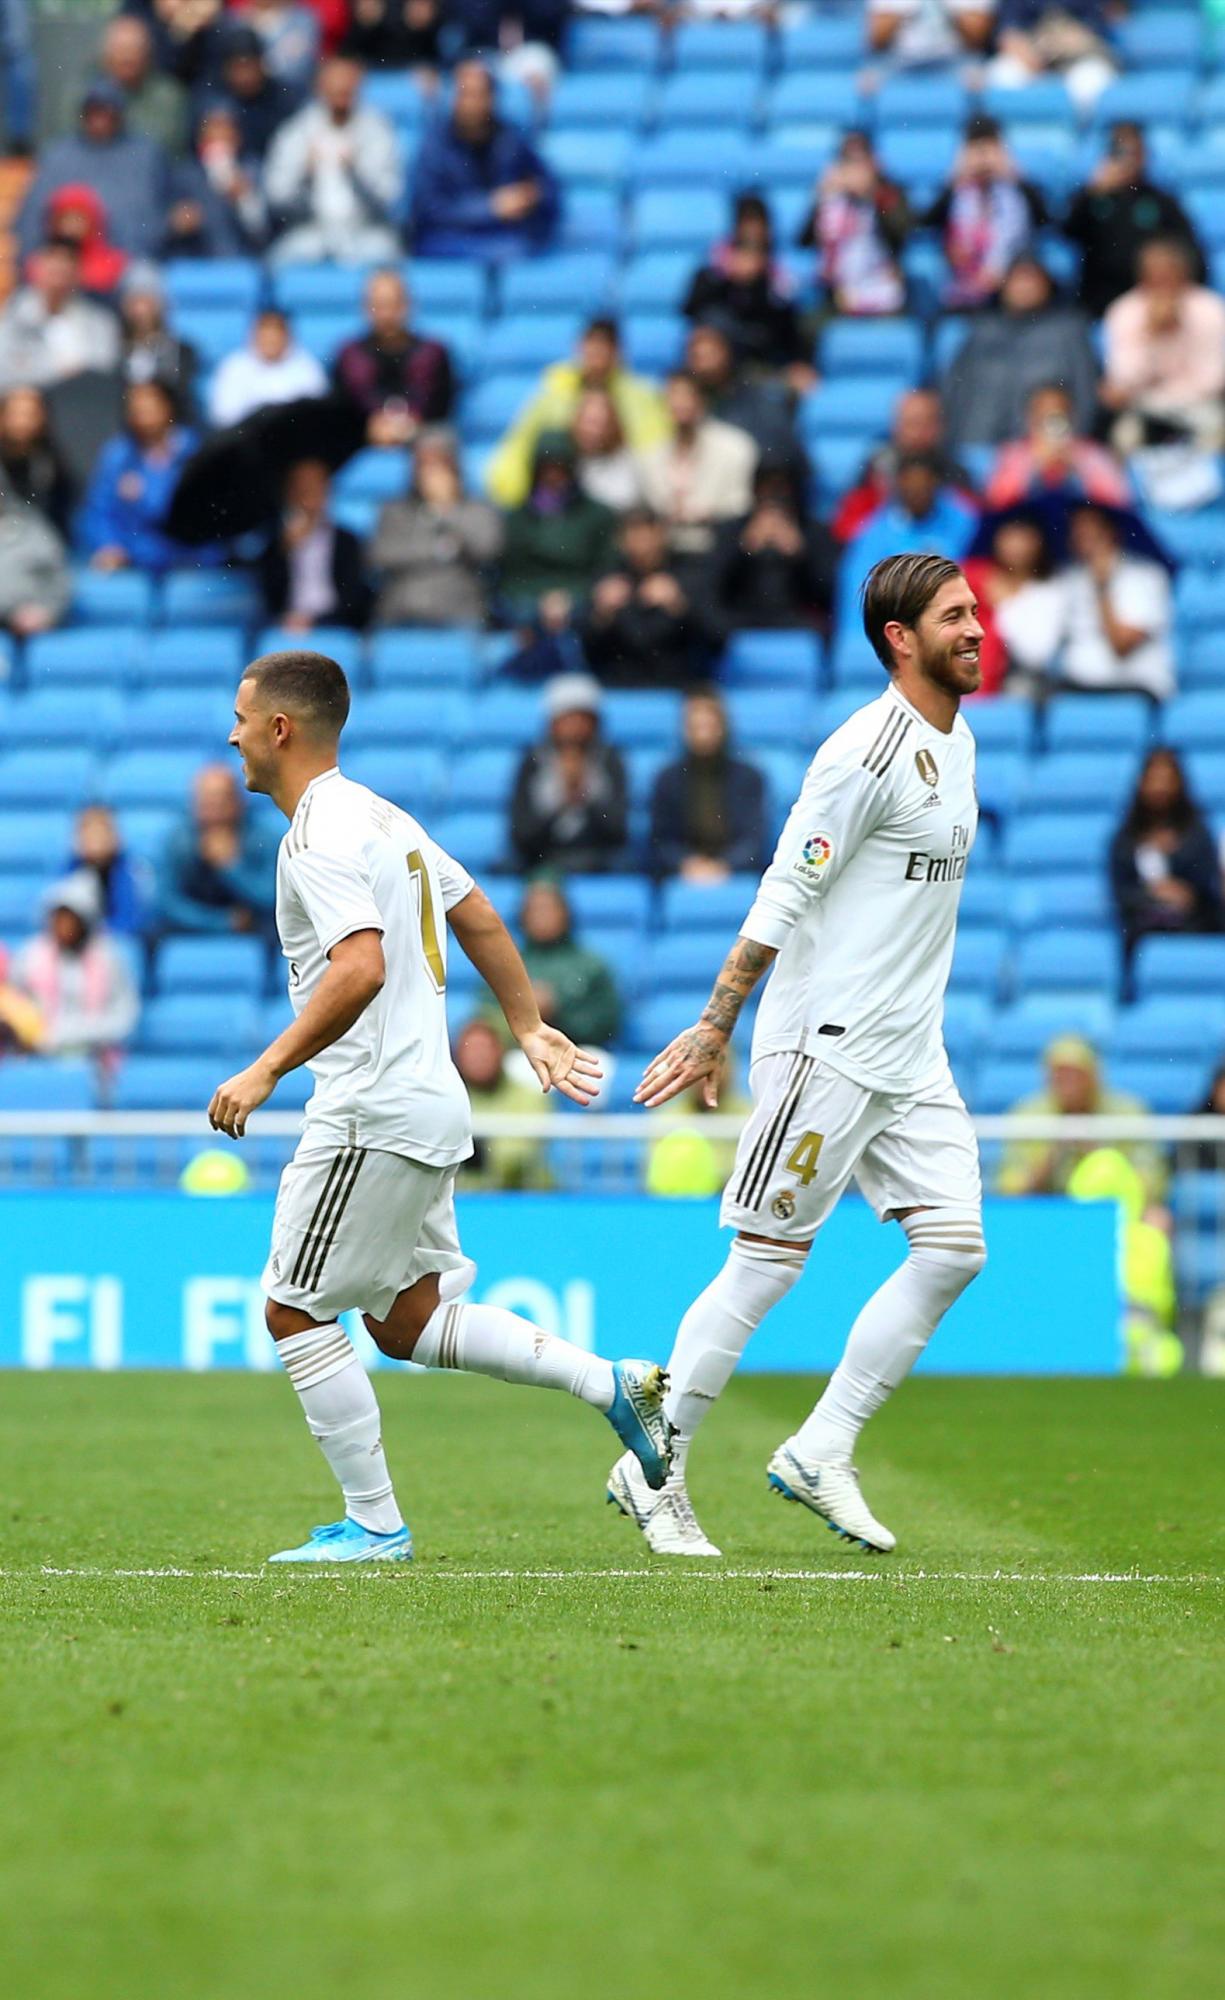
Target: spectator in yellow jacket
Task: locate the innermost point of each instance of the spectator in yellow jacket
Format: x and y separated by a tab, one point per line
640	408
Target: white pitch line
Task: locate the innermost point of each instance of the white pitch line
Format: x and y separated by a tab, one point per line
330	1572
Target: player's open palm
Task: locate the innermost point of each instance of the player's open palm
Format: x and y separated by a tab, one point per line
235	1100
560	1065
697	1056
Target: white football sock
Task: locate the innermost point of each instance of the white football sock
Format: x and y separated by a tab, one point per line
946	1252
715	1332
341	1408
488	1340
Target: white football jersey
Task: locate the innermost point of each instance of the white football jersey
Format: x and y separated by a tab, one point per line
352	862
861	898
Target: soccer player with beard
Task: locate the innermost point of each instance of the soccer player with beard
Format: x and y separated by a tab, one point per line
857	916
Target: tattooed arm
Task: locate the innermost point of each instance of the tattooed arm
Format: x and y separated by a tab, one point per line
698	1053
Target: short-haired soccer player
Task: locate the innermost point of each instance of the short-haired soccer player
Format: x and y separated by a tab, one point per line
856	915
365	1214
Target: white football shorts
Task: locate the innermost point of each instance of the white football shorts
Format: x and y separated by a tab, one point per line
812	1130
354	1228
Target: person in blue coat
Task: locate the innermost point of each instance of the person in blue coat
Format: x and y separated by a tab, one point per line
480	188
130	174
120	521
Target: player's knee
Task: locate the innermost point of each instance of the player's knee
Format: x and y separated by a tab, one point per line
282	1321
949	1244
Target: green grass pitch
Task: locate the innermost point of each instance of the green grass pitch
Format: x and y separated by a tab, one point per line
539	1764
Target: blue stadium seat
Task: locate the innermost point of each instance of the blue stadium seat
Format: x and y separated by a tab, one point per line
193	1024
491	406
694	156
837	461
859	346
815	97
672	218
617	99
822	41
375	475
46	777
51	716
209	597
784	716
213	330
1198	1201
405	717
708	906
1095	722
643	767
482	780
1164	94
862	404
1021	1032
505	716
1081	781
1186	1025
677	959
654	342
1162	1084
477	840
979	961
1180	965
707	97
302	289
603	900
200	717
1001	723
772	660
634	718
574	281
1057	843
420	658
656	1018
1077	902
591	220
1044	101
29	1084
323	334
343	645
967	1017
742	46
146	830
166	1083
1002	779
1162	40
1201	663
194	656
420	779
949	336
84	657
1199	597
787	159
986	899
122	597
574	159
216	964
921	159
918	98
1206	777
1067	960
446	285
656	282
397	95
599	44
21	901
1195	721
1000	1084
213	282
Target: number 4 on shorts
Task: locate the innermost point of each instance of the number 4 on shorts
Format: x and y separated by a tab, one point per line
803	1157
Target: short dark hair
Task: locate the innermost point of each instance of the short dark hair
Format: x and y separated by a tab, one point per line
308	685
605	326
901	588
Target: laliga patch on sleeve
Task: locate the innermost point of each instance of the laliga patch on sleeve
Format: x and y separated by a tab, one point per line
814	859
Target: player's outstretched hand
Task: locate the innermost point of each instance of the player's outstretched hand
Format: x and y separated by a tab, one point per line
559	1065
695	1057
234	1101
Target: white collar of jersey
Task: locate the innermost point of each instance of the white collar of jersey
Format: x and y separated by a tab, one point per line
320	778
911	710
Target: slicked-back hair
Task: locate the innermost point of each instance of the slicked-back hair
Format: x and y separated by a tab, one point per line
308	686
901	588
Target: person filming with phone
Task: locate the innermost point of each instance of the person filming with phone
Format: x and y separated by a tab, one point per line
1052	461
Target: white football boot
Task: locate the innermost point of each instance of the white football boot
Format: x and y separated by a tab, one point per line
832	1491
666	1519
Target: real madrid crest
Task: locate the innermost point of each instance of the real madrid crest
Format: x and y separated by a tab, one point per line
783	1205
927	768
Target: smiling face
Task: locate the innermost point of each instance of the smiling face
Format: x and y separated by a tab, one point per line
947	640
